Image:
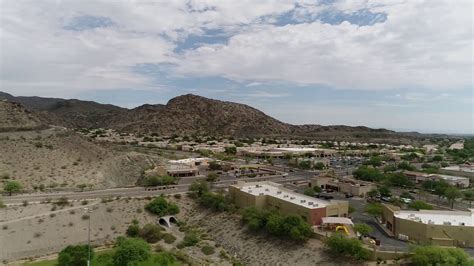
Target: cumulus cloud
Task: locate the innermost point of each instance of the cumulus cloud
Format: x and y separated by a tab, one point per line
49	47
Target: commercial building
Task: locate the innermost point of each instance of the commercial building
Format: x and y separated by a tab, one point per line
465	170
419	177
272	196
192	161
276	152
444	228
346	185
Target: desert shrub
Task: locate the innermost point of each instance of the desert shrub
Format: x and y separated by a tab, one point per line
5	227
164	258
352	247
84	202
164	180
24	203
190	239
109	209
208	250
215	201
291	226
161	207
37	234
85	217
169	238
38	145
198	188
131	251
433	255
177	196
151	233
420	205
63	201
52	215
2	205
74	255
133	230
12	187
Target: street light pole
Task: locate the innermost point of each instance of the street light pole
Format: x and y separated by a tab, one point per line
89	211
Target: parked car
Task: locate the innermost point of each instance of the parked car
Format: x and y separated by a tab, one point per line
386	199
405	200
349	195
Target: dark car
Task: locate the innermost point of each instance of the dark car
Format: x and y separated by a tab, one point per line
349	195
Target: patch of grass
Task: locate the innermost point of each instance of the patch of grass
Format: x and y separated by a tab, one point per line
208	250
169	238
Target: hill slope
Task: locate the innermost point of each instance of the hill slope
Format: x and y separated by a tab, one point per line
14	117
186	115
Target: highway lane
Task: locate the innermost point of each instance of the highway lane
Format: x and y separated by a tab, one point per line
137	191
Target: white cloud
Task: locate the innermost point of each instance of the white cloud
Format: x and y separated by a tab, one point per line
424	44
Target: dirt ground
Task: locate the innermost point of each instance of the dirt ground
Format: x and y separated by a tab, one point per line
38	230
61	159
251	249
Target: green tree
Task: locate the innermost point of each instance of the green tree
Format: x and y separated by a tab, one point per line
468	195
452	194
319	166
151	233
161	207
275	225
198	188
375	161
215	166
131	251
363	229
385	191
306	165
406	166
433	255
12	187
351	247
212	177
420	205
133	230
368	174
74	255
373	193
374	209
309	192
317	189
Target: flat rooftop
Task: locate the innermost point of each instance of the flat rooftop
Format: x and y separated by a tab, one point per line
459	168
450	177
274	190
455	218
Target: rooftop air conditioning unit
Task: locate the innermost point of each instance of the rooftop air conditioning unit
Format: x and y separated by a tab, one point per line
285	196
462	224
310	203
316	205
292	198
430	222
279	192
250	191
267	189
447	223
261	194
303	201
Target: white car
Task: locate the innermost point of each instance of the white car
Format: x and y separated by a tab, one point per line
405	200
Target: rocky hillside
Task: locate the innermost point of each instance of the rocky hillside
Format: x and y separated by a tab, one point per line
191	114
14	117
186	115
70	113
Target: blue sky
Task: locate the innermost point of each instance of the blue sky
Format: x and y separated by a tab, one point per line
404	65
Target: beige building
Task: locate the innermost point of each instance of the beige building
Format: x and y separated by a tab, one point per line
444	228
345	185
273	196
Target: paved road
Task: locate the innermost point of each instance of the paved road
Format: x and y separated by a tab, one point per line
135	191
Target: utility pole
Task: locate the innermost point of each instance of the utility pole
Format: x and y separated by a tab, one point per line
89	211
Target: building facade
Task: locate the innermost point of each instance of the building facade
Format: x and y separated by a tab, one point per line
444	228
272	196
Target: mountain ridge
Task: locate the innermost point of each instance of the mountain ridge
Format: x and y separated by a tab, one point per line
187	114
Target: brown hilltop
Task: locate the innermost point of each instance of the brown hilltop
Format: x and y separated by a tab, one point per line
14	117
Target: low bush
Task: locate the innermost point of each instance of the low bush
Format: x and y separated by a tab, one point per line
169	238
161	207
208	250
351	247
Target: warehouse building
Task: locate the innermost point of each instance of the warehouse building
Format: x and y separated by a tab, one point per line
444	228
273	196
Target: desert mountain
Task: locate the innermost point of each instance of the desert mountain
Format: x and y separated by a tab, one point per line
184	115
14	117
